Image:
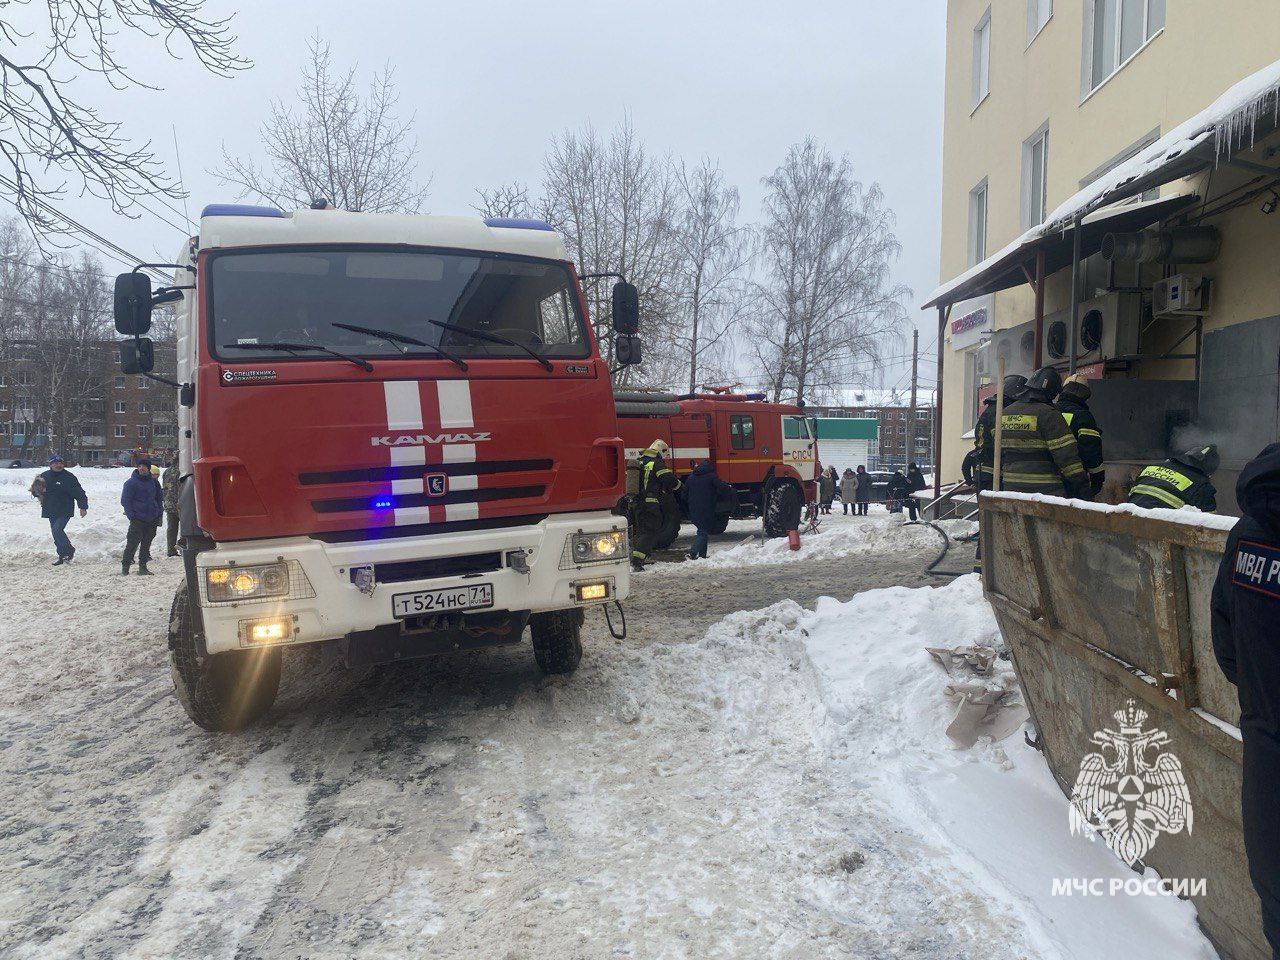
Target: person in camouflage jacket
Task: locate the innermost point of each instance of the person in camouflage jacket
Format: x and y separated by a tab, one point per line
170	484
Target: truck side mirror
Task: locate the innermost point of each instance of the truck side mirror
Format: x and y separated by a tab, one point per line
628	350
133	304
137	355
626	309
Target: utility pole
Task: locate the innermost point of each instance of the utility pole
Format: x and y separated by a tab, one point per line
915	369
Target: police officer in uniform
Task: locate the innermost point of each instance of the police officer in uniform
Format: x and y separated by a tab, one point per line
656	498
984	431
1180	481
1246	640
1039	450
1073	404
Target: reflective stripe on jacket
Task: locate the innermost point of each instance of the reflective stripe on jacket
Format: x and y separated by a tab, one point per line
1172	485
1038	451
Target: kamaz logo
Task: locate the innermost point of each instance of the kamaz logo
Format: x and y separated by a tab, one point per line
427	439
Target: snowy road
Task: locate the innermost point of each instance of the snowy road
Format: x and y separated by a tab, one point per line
677	797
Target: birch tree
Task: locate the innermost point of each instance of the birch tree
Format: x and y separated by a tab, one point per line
825	298
351	149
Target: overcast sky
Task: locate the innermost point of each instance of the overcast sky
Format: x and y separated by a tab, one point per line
490	84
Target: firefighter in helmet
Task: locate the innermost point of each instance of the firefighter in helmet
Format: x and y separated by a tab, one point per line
1073	404
984	431
655	501
1039	452
1178	482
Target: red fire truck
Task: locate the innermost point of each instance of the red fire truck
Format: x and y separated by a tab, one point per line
766	451
397	438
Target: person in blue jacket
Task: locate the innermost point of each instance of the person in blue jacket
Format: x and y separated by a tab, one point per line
143	502
701	492
1245	619
59	493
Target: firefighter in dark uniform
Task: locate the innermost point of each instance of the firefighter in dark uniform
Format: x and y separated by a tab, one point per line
1181	481
984	431
656	499
1039	452
1246	640
1073	404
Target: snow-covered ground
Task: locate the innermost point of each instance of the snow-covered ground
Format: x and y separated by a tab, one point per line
24	535
773	783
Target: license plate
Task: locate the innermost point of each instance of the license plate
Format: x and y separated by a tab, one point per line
476	596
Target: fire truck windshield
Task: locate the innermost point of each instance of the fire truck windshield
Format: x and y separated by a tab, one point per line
497	306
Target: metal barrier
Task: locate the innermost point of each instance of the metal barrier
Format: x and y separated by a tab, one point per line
1102	607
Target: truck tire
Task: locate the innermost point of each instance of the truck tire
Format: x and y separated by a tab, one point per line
222	692
782	509
669	532
557	640
721	523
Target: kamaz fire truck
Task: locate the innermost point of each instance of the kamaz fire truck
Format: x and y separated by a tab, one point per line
766	451
397	438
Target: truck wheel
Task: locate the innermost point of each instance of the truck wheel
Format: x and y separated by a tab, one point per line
669	532
721	523
225	691
782	510
557	640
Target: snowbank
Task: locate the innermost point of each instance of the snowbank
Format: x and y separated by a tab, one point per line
994	812
24	534
1189	515
839	536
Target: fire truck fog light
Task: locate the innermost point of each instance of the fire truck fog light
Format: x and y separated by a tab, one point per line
592	590
259	632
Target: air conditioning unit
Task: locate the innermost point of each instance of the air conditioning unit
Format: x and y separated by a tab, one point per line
1109	327
1181	295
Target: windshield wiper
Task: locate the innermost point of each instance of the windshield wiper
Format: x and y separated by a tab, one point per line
396	339
364	365
492	338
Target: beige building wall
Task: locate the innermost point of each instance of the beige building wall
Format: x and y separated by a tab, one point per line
1205	47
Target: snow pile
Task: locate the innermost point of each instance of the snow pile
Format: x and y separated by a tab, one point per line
994	812
24	534
1188	514
836	538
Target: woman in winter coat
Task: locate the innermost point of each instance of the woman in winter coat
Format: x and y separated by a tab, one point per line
862	495
848	489
826	490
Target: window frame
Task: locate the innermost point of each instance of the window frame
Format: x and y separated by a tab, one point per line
1035	208
118	432
978	244
980	64
1090	83
121	408
738	438
1035	26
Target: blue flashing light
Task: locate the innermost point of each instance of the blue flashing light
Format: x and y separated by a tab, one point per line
383	503
239	210
519	223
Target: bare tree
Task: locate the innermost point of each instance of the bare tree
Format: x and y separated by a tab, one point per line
51	141
825	297
616	204
710	259
354	151
506	200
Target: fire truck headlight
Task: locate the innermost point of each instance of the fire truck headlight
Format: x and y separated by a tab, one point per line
246	583
597	547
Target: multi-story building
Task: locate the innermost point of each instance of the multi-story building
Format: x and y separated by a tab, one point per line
902	435
1068	121
99	417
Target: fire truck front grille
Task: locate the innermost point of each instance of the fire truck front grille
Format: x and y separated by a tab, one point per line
433	567
415	471
383	502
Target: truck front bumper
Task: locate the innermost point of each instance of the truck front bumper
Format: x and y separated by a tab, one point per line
335	590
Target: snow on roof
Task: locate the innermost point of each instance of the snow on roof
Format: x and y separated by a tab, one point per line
1231	121
232	229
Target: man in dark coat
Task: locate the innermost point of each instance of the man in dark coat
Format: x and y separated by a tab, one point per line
863	494
1179	481
899	493
143	503
1246	640
701	493
1073	404
59	493
1039	452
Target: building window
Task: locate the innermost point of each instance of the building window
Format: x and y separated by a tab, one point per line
978	223
1038	14
982	59
119	431
94	456
4	428
1119	29
143	383
4	404
24	378
119	383
144	432
120	406
742	432
1035	163
142	406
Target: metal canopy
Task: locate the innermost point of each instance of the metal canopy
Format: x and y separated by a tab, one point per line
1011	268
